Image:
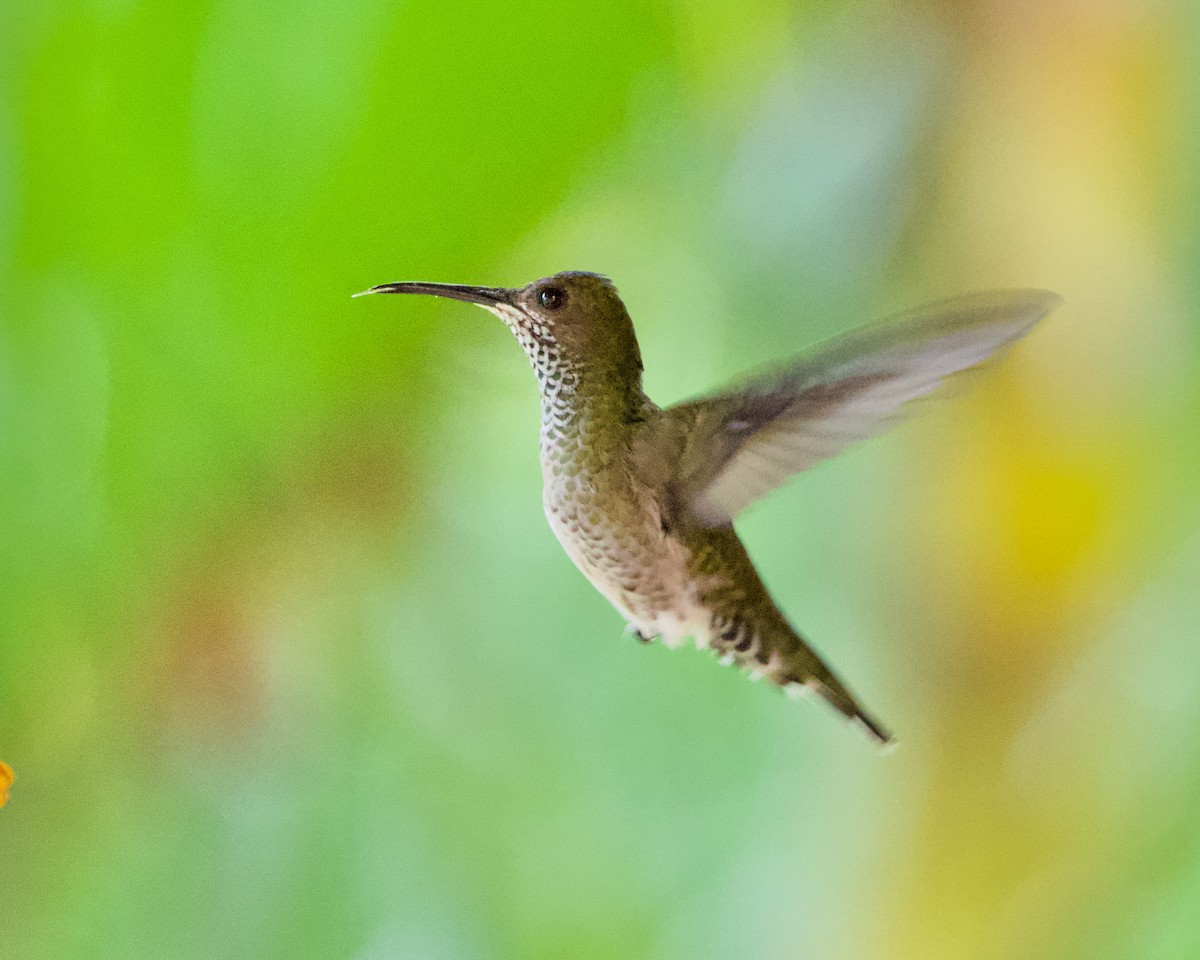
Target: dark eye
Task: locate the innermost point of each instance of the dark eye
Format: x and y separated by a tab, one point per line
552	297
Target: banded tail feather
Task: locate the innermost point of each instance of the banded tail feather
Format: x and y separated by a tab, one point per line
778	653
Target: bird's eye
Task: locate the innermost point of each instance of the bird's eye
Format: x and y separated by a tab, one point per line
552	297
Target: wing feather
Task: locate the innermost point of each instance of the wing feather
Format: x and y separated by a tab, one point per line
735	446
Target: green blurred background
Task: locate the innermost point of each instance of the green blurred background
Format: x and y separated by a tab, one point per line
290	664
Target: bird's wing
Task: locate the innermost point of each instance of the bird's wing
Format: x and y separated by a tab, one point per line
726	450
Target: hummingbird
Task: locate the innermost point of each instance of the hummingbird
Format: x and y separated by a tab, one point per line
643	498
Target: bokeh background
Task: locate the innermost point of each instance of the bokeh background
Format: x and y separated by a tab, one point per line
290	664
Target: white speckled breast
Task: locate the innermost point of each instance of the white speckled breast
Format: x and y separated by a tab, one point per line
610	526
606	520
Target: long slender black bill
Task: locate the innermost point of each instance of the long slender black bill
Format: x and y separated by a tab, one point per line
485	296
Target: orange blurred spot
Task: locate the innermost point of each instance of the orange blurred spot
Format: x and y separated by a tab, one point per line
6	779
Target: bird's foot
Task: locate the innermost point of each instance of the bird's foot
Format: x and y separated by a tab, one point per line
638	635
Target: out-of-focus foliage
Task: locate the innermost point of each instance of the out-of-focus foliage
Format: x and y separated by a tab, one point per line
290	665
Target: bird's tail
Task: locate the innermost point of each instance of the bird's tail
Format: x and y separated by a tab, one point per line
794	665
834	692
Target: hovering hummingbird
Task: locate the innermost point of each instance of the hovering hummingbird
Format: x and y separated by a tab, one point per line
643	498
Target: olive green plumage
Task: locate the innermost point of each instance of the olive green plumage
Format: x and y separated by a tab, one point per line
643	498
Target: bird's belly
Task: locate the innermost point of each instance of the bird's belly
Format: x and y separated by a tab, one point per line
634	564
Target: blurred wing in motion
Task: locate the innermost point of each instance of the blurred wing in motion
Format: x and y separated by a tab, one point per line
729	449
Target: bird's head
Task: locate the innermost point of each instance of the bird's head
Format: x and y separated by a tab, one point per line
572	322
